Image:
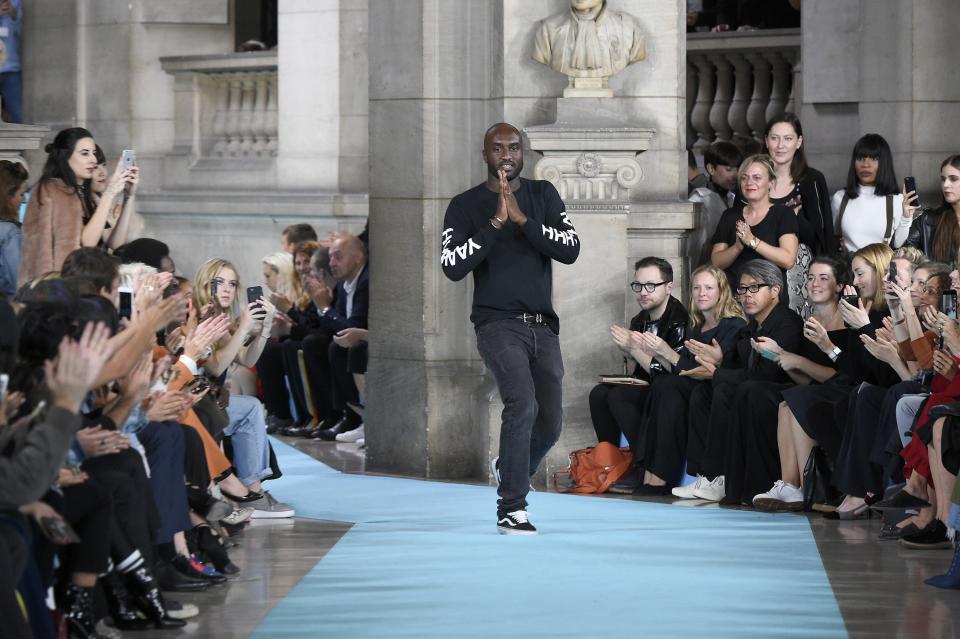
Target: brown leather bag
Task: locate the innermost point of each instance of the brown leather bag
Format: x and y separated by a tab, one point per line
593	470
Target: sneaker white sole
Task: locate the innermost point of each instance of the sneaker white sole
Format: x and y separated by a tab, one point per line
683	493
707	497
514	531
769	505
272	514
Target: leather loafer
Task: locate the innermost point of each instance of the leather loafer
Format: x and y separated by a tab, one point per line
901	501
342	426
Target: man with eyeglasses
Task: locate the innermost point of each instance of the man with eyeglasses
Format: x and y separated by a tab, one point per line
508	231
715	448
618	408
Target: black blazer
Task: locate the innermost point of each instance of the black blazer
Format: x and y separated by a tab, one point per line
335	319
784	327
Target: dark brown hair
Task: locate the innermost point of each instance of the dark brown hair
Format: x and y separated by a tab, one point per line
12	177
946	235
798	167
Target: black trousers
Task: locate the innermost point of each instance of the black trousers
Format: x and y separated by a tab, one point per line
344	388
88	507
663	444
316	358
616	409
751	463
14	553
871	419
135	515
699	410
357	359
525	361
272	372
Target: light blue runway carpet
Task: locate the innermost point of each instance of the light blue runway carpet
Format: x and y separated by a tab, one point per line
424	560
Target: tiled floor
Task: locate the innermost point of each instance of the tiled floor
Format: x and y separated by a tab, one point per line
878	584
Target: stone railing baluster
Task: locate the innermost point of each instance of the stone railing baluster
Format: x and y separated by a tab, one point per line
700	115
719	111
756	112
782	81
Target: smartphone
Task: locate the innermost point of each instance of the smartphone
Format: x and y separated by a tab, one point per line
126	302
910	184
893	272
199	387
771	355
948	303
214	288
254	293
127	159
852	300
4	384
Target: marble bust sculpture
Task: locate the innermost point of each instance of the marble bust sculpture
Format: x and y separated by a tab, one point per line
589	44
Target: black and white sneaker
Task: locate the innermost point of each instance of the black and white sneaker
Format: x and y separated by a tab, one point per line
515	523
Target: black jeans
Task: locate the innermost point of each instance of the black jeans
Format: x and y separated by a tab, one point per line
617	409
525	361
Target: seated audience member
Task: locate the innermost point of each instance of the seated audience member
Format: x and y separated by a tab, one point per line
298	329
122	207
149	251
760	230
907	349
295	234
695	179
870	208
814	370
347	308
61	215
721	160
13	184
617	408
716	325
936	232
714	443
215	291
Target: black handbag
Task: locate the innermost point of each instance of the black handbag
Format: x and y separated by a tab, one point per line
817	480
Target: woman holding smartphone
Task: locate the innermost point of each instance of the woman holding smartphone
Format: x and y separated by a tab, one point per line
802	189
62	215
870	209
936	232
122	208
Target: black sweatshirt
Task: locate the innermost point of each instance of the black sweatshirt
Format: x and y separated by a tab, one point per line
512	266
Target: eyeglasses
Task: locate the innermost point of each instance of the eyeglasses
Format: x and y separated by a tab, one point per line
649	287
753	288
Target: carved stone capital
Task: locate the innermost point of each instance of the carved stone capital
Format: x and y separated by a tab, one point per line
590	175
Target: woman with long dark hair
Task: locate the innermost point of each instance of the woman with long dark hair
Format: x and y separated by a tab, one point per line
870	208
13	180
61	215
803	190
936	232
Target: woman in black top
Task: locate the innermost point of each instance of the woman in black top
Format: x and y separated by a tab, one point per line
803	190
936	232
759	230
662	440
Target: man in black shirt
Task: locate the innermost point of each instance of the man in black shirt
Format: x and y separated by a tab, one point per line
507	231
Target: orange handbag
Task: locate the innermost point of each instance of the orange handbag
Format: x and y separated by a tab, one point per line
593	470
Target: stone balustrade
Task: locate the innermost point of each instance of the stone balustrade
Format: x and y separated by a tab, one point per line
737	81
226	106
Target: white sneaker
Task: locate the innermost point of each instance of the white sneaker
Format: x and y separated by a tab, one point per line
361	443
782	498
713	491
351	436
689	491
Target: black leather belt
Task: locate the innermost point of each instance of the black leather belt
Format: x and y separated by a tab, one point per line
531	318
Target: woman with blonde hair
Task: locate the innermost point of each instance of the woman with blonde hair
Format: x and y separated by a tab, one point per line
717	323
758	230
280	277
215	292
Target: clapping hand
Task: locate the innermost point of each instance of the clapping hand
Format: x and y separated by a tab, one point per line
78	364
621	337
711	352
944	365
704	371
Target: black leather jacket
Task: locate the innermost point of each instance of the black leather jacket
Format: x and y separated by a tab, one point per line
672	328
921	234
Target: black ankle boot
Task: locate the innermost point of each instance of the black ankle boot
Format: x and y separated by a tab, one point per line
122	607
76	604
149	600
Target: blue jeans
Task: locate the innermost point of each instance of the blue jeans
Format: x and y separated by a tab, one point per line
248	434
525	361
11	90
